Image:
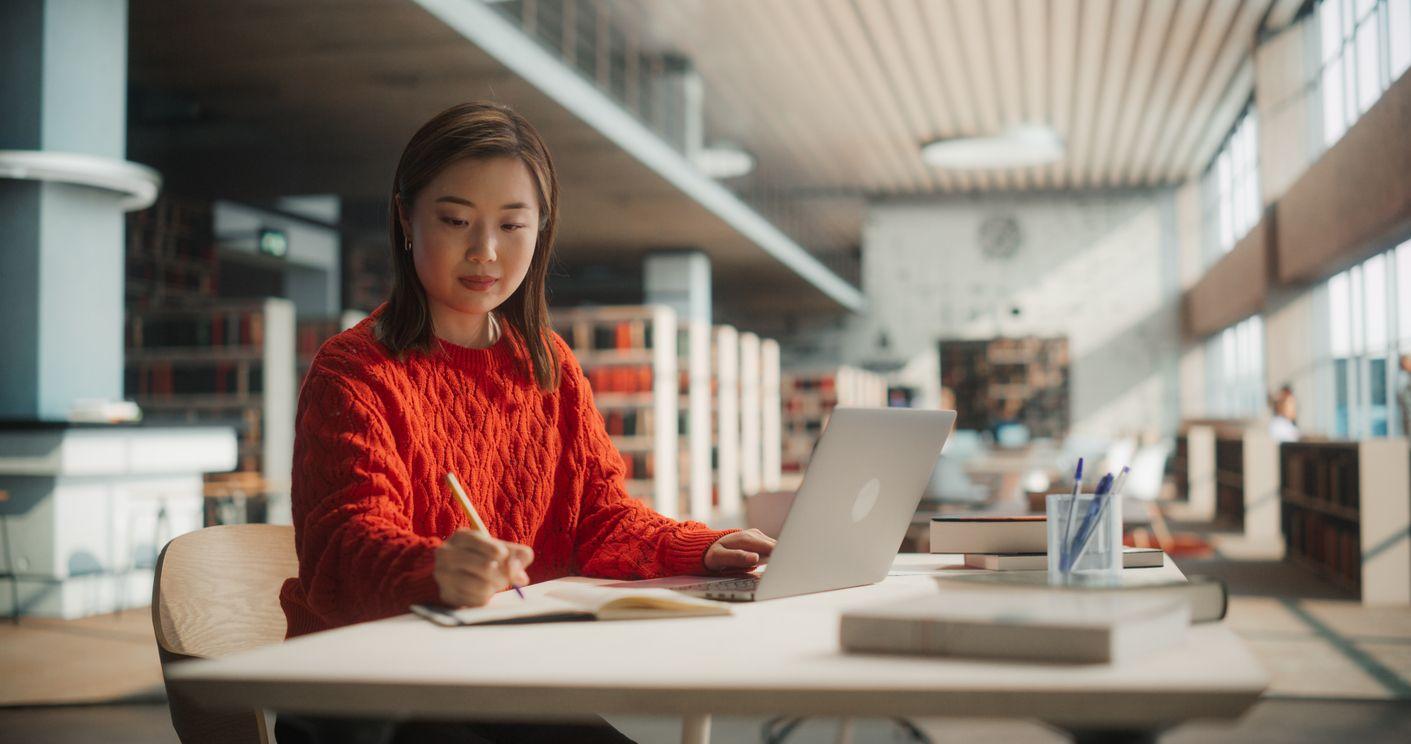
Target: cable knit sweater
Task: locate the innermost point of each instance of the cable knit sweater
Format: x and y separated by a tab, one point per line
375	437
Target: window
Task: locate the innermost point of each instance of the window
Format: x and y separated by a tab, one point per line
1234	370
1232	188
1366	44
1369	313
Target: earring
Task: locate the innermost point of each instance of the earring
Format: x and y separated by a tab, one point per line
409	244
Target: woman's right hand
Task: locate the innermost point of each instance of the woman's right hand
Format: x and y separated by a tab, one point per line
471	566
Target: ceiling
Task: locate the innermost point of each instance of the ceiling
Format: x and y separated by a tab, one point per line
833	97
263	98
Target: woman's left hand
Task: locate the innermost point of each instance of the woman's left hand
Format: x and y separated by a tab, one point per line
739	551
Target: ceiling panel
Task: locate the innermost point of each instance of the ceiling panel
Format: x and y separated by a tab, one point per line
1134	86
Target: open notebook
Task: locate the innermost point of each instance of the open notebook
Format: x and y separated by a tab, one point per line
575	602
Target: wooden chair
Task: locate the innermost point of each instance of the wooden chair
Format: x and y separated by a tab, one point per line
216	592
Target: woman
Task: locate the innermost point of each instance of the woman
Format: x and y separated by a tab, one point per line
459	373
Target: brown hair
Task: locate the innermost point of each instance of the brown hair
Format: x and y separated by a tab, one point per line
479	129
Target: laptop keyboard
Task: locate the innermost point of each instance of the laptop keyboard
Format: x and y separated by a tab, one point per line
722	585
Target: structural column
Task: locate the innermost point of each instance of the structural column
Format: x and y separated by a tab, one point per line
63	81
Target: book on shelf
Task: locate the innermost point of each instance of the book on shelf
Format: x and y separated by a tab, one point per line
609	335
575	602
1072	627
620	378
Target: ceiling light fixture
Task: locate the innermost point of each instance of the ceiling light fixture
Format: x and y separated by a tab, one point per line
1017	147
723	161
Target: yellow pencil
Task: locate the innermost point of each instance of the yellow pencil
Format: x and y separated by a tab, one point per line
476	523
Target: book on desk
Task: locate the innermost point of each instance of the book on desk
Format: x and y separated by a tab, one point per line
575	602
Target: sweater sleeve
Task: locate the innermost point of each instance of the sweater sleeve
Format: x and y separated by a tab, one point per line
358	556
616	535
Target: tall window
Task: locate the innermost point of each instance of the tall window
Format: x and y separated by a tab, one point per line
1234	370
1366	44
1232	188
1369	313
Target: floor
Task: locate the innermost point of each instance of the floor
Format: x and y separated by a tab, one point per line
1340	672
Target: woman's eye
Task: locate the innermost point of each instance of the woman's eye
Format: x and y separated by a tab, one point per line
453	222
512	228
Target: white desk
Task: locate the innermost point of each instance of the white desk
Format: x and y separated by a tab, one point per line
779	657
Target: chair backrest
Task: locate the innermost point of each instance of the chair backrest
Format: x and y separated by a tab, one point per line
216	592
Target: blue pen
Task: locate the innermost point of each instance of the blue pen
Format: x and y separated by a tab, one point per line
1072	510
1116	494
1094	507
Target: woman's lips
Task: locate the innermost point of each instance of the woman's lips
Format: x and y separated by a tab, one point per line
479	283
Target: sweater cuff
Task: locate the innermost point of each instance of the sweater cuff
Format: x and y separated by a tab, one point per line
686	549
418	586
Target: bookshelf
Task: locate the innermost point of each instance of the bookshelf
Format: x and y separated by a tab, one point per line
806	399
1346	507
170	254
751	420
693	343
228	363
367	274
311	333
1024	379
629	355
771	416
1229	480
725	382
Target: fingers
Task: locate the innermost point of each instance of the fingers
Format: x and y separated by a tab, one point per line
750	540
727	559
472	566
479	542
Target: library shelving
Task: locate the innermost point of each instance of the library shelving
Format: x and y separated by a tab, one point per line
229	363
1247	481
1196	466
1346	507
725	425
311	333
629	355
771	416
694	397
367	274
1229	480
170	254
751	420
1008	379
807	397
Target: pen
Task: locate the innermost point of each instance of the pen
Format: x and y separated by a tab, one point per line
1084	528
476	523
1115	494
1072	510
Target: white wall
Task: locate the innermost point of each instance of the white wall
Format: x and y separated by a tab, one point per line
1099	269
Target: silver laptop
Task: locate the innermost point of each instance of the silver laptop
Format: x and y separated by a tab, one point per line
858	495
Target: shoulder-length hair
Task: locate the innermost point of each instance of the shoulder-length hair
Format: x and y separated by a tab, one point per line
479	129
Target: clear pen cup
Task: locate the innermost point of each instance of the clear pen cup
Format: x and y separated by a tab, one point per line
1100	561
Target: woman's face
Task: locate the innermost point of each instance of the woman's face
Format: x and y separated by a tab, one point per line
473	231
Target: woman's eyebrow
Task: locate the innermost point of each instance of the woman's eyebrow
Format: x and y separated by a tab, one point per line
469	203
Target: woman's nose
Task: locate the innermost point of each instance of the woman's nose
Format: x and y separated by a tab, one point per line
482	246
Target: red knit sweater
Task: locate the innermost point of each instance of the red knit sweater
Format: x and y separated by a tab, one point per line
375	438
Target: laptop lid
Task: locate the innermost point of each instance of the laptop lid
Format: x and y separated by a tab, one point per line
859	493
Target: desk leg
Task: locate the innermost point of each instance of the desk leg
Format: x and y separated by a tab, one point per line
1114	736
845	730
695	730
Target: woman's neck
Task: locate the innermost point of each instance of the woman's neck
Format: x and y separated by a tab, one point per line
473	330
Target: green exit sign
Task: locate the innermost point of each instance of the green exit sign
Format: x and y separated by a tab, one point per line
273	242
